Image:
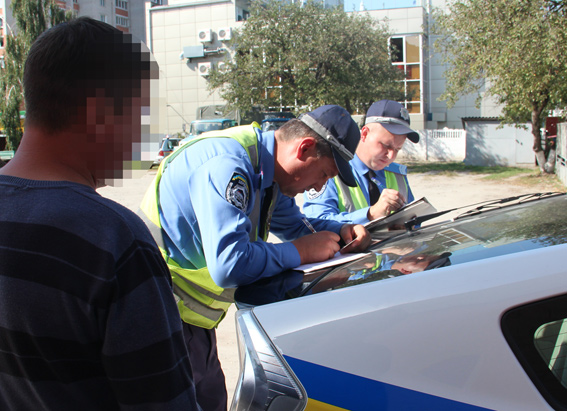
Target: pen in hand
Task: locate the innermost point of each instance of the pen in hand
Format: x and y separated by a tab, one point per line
308	224
381	187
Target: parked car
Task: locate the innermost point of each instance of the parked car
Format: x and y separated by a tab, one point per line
468	314
272	124
202	126
166	147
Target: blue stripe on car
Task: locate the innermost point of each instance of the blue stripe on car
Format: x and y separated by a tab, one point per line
354	392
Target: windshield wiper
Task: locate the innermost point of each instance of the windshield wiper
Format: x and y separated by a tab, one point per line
481	207
410	224
496	204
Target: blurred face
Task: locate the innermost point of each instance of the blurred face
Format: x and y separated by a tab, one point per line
124	139
378	148
312	173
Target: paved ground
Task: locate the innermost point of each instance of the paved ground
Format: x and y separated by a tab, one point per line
441	191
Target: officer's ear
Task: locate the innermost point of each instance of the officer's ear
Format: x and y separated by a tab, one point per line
306	147
364	132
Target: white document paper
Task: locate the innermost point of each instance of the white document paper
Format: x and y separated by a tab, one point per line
336	260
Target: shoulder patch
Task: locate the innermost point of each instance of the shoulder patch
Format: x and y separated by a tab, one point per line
238	191
312	194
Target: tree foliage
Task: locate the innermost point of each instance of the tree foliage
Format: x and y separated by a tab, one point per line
517	49
32	17
292	56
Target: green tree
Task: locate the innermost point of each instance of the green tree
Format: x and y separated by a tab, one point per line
299	57
515	49
32	17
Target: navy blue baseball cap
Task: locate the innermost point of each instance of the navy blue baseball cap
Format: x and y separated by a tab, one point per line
393	116
335	125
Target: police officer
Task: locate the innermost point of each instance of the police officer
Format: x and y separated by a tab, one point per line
213	202
381	185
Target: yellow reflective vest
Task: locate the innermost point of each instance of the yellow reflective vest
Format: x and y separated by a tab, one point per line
352	198
200	301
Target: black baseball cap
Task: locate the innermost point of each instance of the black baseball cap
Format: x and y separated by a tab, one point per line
393	116
335	125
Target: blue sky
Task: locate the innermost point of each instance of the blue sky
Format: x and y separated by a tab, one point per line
351	5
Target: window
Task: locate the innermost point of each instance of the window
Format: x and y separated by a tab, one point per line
537	334
103	18
550	340
405	53
103	3
122	4
122	21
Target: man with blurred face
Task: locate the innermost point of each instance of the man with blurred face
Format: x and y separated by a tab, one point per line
88	319
381	185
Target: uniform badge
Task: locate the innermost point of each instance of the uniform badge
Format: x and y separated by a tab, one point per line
404	113
237	191
312	194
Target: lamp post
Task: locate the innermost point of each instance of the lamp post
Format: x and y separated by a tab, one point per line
185	122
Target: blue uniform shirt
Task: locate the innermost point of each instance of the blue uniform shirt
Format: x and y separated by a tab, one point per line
206	219
325	204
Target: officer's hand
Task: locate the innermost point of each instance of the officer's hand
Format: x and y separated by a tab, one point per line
358	237
317	247
390	200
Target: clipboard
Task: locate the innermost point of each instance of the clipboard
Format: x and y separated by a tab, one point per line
399	217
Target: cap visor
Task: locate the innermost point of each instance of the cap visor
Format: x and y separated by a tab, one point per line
398	129
345	172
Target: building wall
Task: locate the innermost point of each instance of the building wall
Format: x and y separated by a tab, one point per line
406	26
488	144
173	28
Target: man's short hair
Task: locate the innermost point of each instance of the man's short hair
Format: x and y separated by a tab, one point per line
79	59
295	128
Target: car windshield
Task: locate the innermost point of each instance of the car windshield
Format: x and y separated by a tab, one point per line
273	124
170	143
198	128
521	227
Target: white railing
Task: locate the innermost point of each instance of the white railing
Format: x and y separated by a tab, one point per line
436	145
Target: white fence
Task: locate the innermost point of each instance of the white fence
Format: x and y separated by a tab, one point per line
436	145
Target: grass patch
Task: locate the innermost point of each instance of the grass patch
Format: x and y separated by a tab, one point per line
459	168
517	175
550	182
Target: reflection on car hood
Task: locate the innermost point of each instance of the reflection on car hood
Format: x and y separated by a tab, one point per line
530	225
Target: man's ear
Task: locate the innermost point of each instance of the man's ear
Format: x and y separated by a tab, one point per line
363	133
306	147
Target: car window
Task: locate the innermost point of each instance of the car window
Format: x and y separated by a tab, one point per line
537	334
550	340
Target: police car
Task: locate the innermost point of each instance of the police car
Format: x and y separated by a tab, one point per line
468	314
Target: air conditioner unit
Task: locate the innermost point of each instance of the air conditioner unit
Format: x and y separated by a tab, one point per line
222	66
204	35
225	33
204	68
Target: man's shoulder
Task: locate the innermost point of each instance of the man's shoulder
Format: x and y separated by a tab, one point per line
397	168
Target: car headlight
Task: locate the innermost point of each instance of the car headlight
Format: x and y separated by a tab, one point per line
266	382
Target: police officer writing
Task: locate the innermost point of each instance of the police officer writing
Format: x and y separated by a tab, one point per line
381	185
213	203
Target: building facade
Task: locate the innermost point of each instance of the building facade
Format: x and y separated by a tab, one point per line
188	38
